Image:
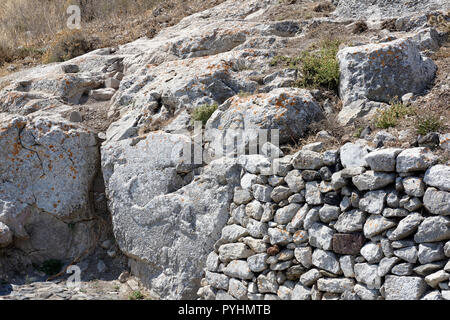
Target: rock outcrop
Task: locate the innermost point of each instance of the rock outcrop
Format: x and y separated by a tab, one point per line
47	167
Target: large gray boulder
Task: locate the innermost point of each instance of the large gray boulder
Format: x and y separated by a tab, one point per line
167	229
380	72
47	166
383	9
288	110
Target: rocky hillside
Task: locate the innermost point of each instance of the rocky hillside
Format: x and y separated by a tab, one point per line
350	200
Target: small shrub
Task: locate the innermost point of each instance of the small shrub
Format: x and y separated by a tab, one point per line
389	117
204	112
67	45
136	295
50	267
320	68
290	62
5	54
427	124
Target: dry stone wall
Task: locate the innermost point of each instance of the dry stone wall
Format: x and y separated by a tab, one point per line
347	224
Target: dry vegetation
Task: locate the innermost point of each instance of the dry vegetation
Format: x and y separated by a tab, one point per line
29	28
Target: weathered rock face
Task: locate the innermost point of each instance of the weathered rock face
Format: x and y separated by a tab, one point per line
47	166
380	72
367	246
167	231
290	111
383	9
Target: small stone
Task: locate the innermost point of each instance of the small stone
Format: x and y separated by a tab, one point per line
217	280
338	181
301	292
300	237
234	251
257	229
402	269
348	243
433	229
329	213
404	288
372	180
392	199
313	195
330	157
262	193
278	236
280	266
238	269
257	262
367	274
372	252
350	172
347	264
438	176
447	249
237	289
326	260
376	224
437	202
335	285
395	213
304	256
103	94
310	277
353	155
233	233
429	268
320	236
242	196
350	221
407	226
414	186
435	295
415	159
280	193
284	293
305	159
311	217
212	262
383	160
267	283
430	252
409	254
285	214
435	278
411	204
248	180
386	264
295	181
293	273
258	246
373	202
275	181
365	293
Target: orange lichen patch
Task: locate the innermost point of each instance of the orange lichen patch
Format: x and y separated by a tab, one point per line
16	149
